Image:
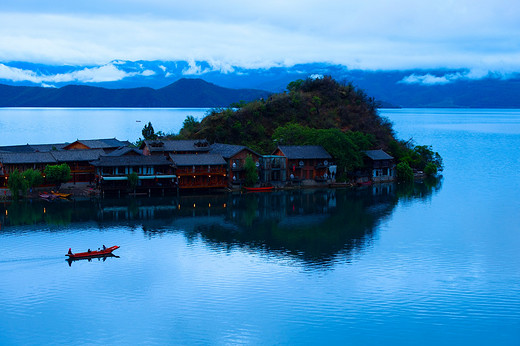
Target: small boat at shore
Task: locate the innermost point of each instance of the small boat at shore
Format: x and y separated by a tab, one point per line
259	189
61	195
89	254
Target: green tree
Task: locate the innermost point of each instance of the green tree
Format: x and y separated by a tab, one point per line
251	173
16	183
57	174
148	132
430	169
133	180
32	178
404	172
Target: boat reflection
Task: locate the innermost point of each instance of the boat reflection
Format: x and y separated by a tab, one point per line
100	258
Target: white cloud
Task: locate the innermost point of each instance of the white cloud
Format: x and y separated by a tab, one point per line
105	73
370	34
147	73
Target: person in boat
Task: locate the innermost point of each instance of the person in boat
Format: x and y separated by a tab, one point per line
70	251
104	247
89	251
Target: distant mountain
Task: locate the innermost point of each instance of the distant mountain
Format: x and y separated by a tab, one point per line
183	93
408	88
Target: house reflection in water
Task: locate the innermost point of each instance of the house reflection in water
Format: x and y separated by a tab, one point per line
316	227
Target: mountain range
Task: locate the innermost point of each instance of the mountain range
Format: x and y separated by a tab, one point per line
182	93
164	84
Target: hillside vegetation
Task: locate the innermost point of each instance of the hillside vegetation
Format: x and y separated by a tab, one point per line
315	103
340	117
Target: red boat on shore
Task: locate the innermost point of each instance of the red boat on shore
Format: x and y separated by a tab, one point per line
259	189
89	254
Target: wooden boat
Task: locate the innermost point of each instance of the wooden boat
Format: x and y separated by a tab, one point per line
95	253
259	189
61	195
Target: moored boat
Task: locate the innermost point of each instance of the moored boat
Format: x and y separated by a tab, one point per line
96	253
259	189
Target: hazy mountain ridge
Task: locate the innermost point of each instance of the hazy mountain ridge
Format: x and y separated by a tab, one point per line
182	93
410	88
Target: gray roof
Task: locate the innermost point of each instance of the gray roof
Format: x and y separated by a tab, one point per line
198	160
49	147
77	155
25	148
378	155
125	150
105	143
20	158
178	145
112	161
31	148
296	152
229	150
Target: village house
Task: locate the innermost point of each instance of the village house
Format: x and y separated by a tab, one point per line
378	166
235	157
175	147
272	169
81	170
154	173
9	162
200	171
305	162
108	144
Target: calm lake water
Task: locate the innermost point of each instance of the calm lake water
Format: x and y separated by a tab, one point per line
428	264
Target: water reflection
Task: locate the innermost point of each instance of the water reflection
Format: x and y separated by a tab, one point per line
90	259
312	226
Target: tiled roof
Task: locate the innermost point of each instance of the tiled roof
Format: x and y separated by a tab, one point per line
178	145
111	161
296	152
77	155
105	143
25	148
20	158
378	155
198	160
125	150
228	150
48	147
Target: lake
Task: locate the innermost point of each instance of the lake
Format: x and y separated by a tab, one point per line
431	263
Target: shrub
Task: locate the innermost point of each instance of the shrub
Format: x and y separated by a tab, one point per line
404	172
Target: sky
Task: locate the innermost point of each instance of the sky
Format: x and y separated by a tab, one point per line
480	35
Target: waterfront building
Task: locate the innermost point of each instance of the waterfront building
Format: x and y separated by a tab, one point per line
235	157
305	162
378	166
200	171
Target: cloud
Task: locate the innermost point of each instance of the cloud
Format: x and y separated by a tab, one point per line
104	73
371	34
428	79
476	74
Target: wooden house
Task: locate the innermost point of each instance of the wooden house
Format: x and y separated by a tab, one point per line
200	171
81	170
235	157
108	145
272	169
305	162
175	147
154	173
10	162
379	166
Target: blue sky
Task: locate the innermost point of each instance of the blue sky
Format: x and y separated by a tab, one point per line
371	34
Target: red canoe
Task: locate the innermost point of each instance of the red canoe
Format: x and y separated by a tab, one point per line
259	189
95	253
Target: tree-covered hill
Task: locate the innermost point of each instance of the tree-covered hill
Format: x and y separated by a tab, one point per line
339	117
321	103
